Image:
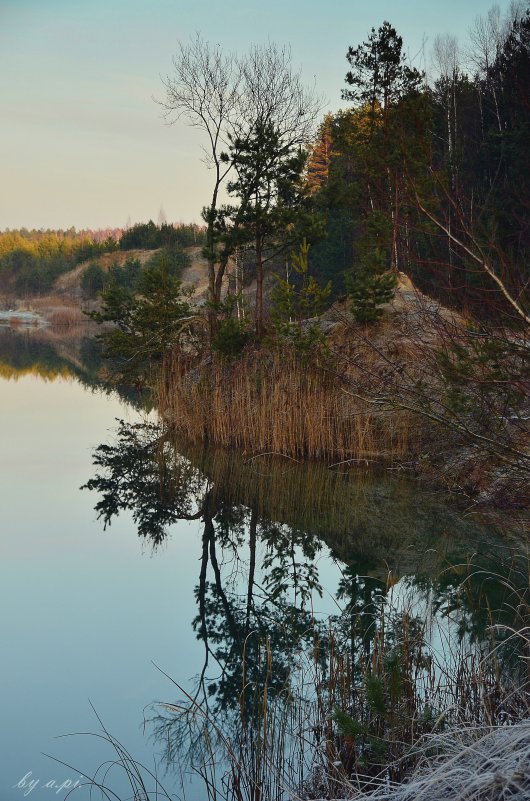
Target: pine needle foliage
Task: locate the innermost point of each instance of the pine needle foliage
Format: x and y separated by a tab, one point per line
369	288
146	324
298	303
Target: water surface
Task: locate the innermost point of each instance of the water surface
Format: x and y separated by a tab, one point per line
207	553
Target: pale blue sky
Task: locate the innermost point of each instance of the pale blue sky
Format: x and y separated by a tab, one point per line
81	140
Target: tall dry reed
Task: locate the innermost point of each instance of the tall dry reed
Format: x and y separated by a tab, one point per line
274	402
383	723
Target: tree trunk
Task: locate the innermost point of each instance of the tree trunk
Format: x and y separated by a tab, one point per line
211	258
259	285
252	566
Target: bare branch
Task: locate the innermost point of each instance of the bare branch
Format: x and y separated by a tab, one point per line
478	256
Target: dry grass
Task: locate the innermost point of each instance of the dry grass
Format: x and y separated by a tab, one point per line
58	310
274	402
67	316
414	717
46	303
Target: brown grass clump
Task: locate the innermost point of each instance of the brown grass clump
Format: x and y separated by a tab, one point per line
67	316
274	402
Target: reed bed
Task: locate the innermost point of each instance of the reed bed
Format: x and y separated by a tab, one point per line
275	402
67	316
343	504
411	718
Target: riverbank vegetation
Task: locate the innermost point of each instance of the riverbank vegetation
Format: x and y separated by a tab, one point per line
413	201
417	728
403	721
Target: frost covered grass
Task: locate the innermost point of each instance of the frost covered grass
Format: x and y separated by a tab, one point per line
470	765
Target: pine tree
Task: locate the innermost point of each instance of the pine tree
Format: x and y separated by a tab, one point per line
268	185
379	73
382	134
147	324
299	303
319	160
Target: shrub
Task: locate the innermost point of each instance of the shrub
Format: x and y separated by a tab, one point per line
231	338
369	288
92	280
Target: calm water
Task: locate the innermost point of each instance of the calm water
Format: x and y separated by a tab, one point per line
206	553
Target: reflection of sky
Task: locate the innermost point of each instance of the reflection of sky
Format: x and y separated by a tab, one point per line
84	611
87	611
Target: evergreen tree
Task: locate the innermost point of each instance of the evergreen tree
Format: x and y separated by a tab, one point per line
299	300
369	288
268	184
383	137
379	74
319	159
92	280
147	324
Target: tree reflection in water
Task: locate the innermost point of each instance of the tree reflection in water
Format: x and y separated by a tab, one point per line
265	525
241	604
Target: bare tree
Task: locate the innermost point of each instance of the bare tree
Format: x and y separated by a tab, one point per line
204	90
488	34
446	58
229	99
487	37
273	93
446	55
162	217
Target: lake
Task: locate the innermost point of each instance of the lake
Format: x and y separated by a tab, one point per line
212	563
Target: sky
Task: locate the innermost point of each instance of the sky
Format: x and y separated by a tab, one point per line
82	139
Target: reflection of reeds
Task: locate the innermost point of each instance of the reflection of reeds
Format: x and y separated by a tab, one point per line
67	316
275	402
403	721
391	521
390	700
393	721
